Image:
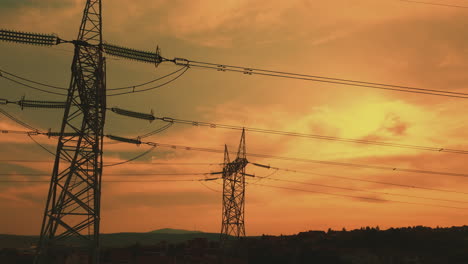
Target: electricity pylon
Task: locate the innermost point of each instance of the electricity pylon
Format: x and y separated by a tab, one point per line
74	198
73	203
234	193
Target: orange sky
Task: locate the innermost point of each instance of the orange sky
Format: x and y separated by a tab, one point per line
386	41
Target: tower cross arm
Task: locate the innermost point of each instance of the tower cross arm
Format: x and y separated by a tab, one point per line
133	54
29	38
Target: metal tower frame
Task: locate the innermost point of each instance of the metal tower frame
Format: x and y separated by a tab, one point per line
73	202
72	212
234	193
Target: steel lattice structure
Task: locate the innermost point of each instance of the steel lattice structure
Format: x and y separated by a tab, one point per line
234	193
73	202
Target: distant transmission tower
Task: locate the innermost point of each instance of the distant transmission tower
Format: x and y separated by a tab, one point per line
234	193
73	202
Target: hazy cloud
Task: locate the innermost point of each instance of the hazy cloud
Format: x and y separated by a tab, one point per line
36	3
377	41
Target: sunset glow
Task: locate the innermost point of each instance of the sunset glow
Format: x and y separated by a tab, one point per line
388	42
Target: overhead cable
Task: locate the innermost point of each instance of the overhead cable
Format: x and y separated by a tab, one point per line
11	77
181	72
116	174
31	81
146	83
209	188
313	136
30	86
114	181
359	190
132	159
306	172
133	163
435	4
371	199
19	122
315	78
334	163
137	141
150	117
159	130
42	147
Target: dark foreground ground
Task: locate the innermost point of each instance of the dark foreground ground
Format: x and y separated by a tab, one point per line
363	246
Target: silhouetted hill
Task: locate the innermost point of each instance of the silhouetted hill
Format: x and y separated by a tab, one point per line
15	241
415	245
118	239
174	231
126	239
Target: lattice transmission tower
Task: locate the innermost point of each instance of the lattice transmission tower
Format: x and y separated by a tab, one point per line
72	212
73	202
234	193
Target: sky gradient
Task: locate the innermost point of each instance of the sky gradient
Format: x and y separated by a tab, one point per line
388	41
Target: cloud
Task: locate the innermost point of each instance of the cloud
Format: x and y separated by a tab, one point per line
394	125
36	3
27	194
371	199
391	127
363	40
161	199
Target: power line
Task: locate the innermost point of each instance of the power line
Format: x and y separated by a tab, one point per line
436	4
135	163
265	177
360	180
251	71
31	81
66	89
280	187
148	82
132	159
137	141
334	163
29	134
316	78
360	165
115	174
32	87
171	121
19	122
248	70
158	130
315	161
53	154
357	197
360	190
313	136
209	188
41	146
182	69
116	181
